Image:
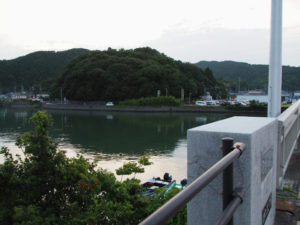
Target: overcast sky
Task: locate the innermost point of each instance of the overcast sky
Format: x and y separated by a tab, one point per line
189	30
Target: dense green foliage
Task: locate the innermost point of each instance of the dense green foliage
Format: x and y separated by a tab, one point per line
251	76
37	69
129	168
46	187
133	167
145	160
116	75
151	101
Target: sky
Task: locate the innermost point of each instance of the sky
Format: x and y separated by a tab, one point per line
189	30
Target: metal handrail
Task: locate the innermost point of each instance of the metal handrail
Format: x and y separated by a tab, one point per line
289	127
233	205
170	208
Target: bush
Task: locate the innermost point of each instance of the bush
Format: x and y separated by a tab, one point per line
5	102
152	101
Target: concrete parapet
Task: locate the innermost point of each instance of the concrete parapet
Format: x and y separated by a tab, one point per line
255	170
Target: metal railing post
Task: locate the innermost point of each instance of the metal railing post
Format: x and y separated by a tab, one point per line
227	215
227	147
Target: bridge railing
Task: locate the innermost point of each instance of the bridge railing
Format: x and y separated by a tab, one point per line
231	198
289	130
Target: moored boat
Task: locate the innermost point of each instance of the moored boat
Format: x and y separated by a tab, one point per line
166	183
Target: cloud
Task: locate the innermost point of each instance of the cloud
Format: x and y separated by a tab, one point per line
244	45
10	51
291	46
215	44
192	30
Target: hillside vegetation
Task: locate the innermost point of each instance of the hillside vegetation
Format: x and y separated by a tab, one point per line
35	69
130	74
251	76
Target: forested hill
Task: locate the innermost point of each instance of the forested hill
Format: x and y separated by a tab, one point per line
251	76
34	69
126	74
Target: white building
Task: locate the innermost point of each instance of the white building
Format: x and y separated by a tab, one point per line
259	98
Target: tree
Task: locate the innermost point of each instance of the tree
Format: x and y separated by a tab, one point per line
130	74
145	160
35	68
129	168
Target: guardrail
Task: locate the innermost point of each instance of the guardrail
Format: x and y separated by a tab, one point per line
231	199
289	130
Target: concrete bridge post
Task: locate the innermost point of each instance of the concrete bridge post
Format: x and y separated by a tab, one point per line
255	170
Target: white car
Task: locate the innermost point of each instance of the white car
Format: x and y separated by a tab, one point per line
243	103
109	104
201	103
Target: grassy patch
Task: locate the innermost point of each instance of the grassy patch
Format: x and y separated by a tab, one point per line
151	101
287	193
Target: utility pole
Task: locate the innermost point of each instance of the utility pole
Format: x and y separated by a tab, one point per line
61	96
275	67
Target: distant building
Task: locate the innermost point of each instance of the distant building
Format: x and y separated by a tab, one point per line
18	96
207	97
253	95
286	97
256	92
259	98
3	97
296	95
44	96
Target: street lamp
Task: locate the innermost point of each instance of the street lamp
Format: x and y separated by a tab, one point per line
275	67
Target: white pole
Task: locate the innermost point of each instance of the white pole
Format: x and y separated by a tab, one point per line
275	67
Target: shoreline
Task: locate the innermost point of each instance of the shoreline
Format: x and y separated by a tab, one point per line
138	109
164	109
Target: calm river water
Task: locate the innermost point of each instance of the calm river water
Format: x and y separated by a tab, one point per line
115	138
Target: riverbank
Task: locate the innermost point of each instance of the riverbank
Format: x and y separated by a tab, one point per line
182	109
166	109
23	106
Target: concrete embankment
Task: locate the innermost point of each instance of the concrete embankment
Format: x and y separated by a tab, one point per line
191	109
23	106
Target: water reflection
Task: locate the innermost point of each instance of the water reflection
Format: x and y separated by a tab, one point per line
14	121
112	133
129	133
115	138
201	119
